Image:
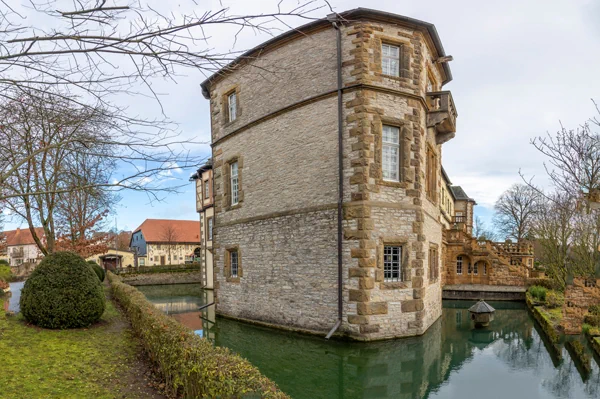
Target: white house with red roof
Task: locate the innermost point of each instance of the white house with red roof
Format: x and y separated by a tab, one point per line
21	247
166	242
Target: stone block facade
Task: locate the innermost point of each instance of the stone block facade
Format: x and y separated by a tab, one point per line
579	296
284	145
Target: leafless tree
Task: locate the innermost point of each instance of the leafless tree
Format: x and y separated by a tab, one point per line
573	159
515	211
170	235
482	232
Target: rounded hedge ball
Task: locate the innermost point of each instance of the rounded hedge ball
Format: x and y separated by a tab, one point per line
97	269
63	292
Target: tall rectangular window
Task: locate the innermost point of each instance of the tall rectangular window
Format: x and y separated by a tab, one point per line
233	262
210	229
392	263
235	186
431	177
433	264
459	264
206	189
390	153
232	106
390	60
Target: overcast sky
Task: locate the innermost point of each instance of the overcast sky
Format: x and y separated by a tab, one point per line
519	68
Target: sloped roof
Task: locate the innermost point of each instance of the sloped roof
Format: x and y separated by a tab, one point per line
481	307
168	230
22	236
459	194
349	16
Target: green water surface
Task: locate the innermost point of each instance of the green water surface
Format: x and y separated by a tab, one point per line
511	359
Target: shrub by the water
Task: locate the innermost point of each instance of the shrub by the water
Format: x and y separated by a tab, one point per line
4	262
538	292
5	273
192	366
62	292
97	269
595	310
554	299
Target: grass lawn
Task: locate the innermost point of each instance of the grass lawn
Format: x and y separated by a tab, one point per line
99	362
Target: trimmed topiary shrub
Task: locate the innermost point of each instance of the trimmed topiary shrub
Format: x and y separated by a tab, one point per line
554	299
62	292
97	269
538	292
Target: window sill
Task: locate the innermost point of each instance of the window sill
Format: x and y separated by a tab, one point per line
233	279
394	285
392	183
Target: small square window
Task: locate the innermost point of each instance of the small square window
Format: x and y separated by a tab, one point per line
392	263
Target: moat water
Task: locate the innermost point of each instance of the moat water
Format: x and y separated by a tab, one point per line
510	359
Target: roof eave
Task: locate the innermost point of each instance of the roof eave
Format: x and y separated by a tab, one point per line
344	16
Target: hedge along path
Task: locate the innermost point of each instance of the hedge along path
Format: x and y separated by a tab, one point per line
192	366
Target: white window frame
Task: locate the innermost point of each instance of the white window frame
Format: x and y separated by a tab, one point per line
459	265
392	263
232	106
234	266
388	59
389	173
210	229
235	183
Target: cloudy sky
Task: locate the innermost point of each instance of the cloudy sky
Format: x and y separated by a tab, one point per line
520	67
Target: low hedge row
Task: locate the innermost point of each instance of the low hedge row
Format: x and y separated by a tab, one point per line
191	366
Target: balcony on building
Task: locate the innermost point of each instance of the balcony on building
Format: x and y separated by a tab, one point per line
441	115
16	253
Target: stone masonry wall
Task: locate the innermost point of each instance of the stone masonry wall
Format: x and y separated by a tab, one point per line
579	296
285	225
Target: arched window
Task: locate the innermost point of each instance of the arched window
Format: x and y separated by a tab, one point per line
459	264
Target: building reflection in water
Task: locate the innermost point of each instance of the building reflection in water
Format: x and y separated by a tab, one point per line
507	359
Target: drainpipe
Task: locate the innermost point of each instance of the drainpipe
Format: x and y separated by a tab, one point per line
334	21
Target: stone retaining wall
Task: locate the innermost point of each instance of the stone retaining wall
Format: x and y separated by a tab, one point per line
162	278
578	298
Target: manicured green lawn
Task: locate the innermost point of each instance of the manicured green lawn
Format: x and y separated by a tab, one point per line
99	362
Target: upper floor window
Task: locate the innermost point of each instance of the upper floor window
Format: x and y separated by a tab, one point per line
390	60
392	262
391	153
232	106
206	190
210	229
459	264
235	187
431	170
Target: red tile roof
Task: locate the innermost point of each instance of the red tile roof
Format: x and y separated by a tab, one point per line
22	236
166	230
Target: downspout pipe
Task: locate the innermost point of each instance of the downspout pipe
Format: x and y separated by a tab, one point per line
333	18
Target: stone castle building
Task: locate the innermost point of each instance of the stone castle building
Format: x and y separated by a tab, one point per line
330	204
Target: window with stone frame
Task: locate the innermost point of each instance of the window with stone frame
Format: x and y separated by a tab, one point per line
469	268
234	183
392	263
433	263
475	269
390	153
232	106
210	229
206	189
390	59
431	174
459	264
484	268
233	263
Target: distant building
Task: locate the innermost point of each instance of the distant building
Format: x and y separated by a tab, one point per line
114	258
166	242
21	247
205	207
